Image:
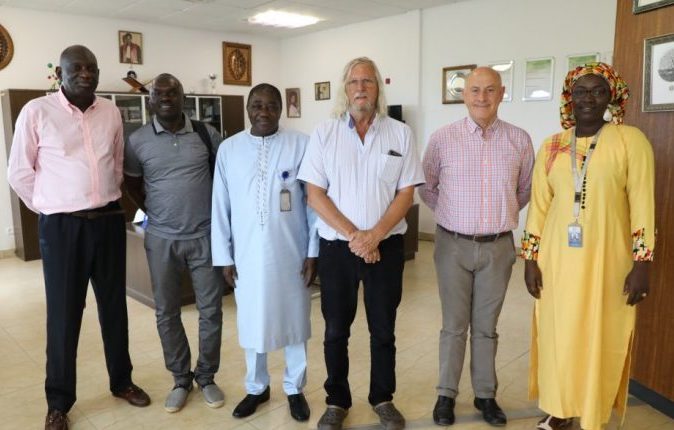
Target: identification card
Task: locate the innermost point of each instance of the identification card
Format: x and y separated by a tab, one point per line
285	200
575	235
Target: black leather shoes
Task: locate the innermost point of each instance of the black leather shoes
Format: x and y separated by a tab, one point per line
299	409
443	412
491	412
249	404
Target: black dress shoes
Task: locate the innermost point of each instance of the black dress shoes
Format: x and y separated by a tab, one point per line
249	404
491	412
443	412
299	409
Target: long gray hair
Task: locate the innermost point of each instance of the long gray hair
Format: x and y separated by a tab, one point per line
342	101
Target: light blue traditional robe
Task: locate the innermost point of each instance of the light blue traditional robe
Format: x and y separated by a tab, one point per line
267	246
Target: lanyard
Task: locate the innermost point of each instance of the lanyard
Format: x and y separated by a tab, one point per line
579	178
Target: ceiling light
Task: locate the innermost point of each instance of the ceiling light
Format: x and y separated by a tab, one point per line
277	18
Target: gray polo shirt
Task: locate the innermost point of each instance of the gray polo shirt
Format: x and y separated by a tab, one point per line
176	177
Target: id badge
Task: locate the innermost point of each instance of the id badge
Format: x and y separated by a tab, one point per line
285	200
575	235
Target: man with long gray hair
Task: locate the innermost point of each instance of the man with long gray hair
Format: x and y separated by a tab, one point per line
361	168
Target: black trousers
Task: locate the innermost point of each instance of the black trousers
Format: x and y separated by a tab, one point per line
340	273
75	250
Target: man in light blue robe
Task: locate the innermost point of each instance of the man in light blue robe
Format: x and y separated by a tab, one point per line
264	236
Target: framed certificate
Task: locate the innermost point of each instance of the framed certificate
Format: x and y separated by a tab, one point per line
538	79
505	69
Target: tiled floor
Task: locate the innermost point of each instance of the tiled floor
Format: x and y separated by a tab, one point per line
22	358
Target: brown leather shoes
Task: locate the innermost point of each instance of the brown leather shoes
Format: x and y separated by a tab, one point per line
134	395
56	420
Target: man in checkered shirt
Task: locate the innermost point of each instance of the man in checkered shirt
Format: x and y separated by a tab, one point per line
478	178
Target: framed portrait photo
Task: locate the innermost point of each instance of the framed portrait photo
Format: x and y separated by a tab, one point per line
578	60
236	64
505	69
293	106
659	74
322	90
639	6
130	47
453	81
538	79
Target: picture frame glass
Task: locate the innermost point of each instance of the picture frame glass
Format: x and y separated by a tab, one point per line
454	81
639	6
130	47
659	74
538	79
293	103
322	90
578	60
236	64
505	69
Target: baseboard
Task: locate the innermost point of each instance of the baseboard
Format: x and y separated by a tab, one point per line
655	400
429	237
6	253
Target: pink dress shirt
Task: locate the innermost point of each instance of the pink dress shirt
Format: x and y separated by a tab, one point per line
63	159
476	183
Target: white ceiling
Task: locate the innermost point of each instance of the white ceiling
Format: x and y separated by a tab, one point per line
230	15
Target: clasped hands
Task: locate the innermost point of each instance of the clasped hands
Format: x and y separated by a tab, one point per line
365	244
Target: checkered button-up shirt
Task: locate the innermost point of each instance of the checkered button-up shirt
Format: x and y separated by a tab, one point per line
477	181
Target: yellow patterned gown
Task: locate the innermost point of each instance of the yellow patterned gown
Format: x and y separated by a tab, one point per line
582	327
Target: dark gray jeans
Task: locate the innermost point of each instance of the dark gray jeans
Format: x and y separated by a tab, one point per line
472	279
168	259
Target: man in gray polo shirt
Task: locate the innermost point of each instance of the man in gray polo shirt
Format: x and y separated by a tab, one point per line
167	174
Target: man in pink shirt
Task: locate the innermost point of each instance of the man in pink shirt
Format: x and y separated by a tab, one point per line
66	164
478	177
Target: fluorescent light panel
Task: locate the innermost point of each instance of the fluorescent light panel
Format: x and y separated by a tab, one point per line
277	18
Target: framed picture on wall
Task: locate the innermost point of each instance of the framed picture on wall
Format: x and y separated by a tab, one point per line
639	6
322	90
505	69
236	64
538	79
293	106
6	48
659	74
130	47
578	60
453	81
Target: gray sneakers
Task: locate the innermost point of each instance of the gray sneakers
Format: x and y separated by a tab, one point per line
389	416
177	398
332	418
213	395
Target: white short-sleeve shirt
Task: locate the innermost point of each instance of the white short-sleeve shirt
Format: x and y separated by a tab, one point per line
361	178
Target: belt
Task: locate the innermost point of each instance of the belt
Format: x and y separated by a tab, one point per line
477	238
94	214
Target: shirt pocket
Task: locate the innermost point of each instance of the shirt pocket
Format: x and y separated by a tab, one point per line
389	168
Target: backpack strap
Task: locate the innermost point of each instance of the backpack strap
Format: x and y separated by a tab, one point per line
202	131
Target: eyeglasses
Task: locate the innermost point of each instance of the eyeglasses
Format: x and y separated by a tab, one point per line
367	82
581	92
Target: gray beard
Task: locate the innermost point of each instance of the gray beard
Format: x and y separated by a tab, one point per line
367	108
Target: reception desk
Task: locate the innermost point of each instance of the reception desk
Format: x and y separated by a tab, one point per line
138	284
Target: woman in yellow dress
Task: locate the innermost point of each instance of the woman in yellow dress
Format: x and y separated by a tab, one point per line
588	240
